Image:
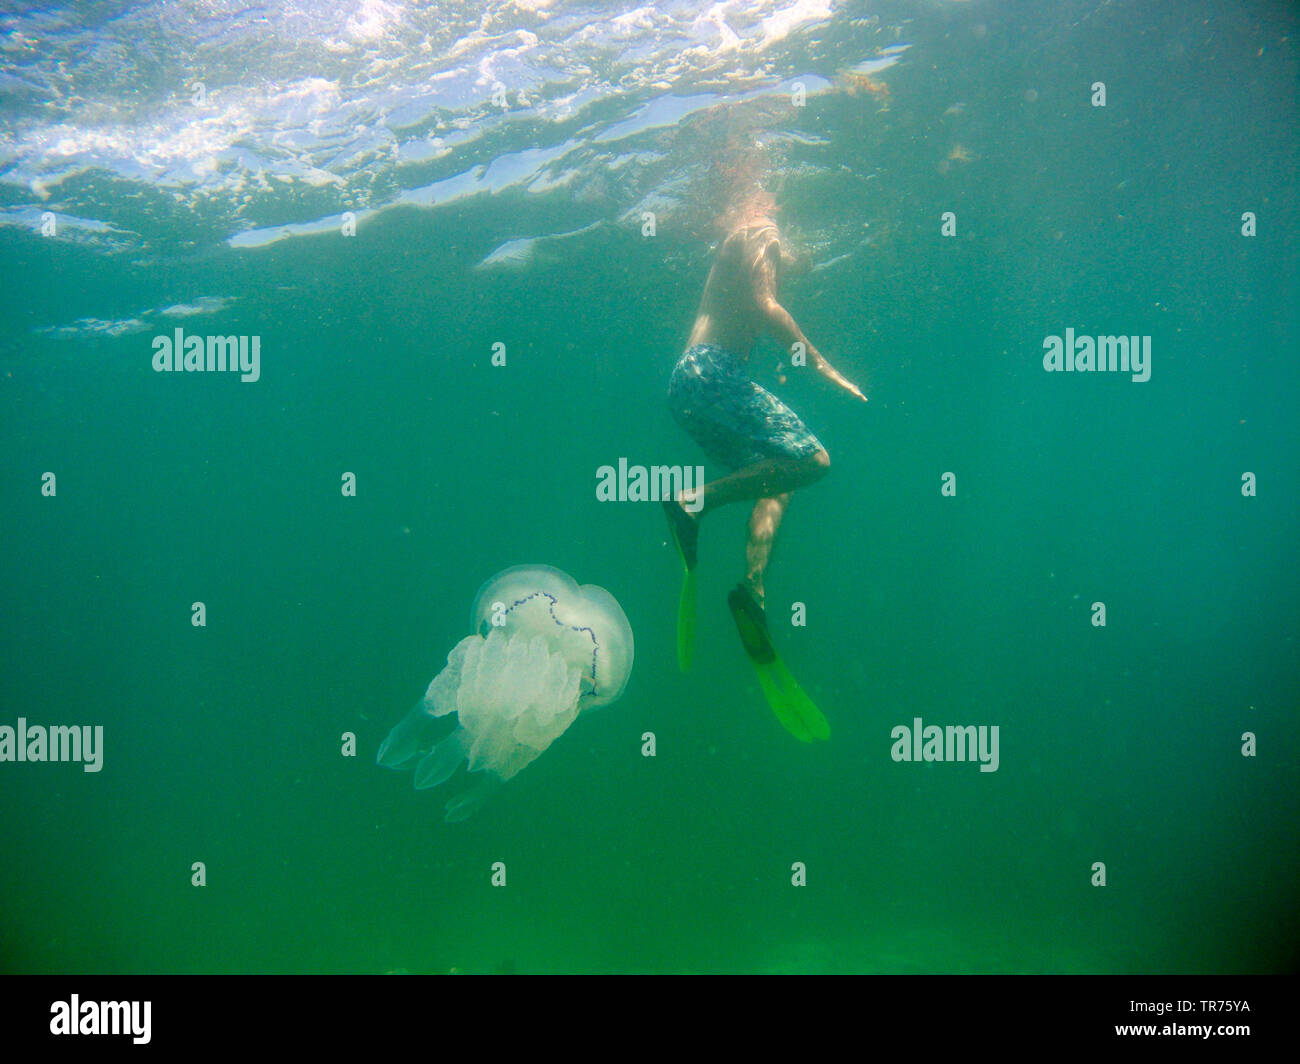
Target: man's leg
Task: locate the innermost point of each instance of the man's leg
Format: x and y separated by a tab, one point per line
763	480
763	523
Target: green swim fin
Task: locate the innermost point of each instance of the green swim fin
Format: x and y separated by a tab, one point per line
685	532
686	622
793	708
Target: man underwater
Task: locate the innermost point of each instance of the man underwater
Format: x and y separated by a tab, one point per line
769	451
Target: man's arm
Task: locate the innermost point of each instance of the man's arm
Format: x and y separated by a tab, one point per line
786	328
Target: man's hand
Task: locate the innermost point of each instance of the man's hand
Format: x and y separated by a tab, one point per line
783	325
836	377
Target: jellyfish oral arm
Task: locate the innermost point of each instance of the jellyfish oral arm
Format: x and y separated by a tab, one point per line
408	740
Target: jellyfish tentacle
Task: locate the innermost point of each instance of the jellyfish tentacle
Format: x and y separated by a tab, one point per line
469	802
409	739
440	763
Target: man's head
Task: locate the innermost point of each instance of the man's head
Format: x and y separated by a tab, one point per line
788	255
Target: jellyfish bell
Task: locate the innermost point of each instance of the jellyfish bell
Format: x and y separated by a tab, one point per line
543	651
586	625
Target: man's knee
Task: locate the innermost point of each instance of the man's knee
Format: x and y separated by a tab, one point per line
819	463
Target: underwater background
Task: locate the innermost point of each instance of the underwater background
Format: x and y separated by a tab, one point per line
520	220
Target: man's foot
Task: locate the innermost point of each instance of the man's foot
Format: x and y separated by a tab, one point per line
685	529
751	623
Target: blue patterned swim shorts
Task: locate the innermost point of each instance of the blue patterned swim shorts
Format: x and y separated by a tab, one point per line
735	421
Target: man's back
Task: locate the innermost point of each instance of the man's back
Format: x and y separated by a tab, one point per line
730	314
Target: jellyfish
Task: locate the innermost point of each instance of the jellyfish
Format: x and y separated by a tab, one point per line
543	651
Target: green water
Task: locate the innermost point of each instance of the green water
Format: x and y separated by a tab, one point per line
329	614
